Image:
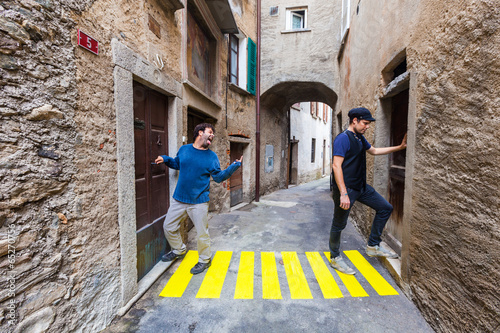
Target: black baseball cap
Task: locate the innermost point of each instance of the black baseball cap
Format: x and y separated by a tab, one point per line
361	114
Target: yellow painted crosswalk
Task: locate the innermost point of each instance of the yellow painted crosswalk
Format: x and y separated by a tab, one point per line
298	275
244	284
270	281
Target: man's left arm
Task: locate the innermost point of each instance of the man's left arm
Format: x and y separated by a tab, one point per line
219	175
387	150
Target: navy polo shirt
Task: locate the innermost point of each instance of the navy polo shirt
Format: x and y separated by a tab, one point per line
352	147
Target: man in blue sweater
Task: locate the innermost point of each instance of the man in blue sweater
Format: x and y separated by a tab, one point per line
349	170
196	163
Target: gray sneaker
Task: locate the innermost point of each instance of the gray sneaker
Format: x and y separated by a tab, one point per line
378	251
200	267
171	256
339	264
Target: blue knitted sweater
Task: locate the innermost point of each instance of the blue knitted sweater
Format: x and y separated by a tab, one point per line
195	168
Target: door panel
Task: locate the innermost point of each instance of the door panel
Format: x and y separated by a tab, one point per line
141	203
397	171
150	247
236	180
152	198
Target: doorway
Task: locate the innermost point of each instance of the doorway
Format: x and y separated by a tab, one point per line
293	162
193	119
236	179
151	180
397	169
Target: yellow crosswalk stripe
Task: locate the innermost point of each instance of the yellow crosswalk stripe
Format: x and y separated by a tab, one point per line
326	282
180	279
211	286
381	286
270	283
244	282
299	289
350	282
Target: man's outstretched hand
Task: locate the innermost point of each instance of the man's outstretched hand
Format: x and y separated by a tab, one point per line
159	160
240	160
403	143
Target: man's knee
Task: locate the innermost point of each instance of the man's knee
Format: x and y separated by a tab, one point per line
386	210
170	226
338	224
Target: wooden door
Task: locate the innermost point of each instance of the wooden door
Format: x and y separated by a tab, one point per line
236	180
151	180
399	125
293	162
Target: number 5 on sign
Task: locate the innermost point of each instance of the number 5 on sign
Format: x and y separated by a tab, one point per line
88	42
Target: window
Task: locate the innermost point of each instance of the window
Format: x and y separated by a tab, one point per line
313	150
314	109
242	62
201	53
315	106
326	111
296	18
233	59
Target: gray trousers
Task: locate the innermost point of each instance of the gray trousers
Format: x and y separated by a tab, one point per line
198	213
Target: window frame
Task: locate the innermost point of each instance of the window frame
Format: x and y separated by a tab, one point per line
233	37
290	12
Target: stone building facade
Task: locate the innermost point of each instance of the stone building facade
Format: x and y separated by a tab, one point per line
75	126
430	68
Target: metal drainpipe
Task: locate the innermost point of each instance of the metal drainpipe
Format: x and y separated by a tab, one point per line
257	133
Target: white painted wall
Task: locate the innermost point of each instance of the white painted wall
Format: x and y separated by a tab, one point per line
305	127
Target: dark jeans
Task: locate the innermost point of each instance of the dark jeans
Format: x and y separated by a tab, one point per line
369	197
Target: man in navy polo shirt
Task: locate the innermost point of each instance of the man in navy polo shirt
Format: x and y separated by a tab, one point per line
349	169
196	163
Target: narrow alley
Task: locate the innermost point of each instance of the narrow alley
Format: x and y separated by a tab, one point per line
270	274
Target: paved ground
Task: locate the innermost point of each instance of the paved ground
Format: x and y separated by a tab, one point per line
293	226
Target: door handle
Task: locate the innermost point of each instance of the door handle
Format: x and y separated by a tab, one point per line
158	141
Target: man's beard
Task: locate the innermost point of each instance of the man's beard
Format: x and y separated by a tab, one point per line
205	144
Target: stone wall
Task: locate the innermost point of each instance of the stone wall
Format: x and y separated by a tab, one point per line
289	56
451	198
39	170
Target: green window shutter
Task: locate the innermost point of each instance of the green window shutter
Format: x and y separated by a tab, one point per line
252	67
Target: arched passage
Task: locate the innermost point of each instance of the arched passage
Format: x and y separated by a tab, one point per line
275	127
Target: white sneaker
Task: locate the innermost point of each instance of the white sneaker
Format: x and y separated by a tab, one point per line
378	251
339	264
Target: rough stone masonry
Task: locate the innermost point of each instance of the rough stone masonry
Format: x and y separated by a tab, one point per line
38	137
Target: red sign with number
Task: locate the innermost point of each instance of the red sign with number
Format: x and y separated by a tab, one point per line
88	42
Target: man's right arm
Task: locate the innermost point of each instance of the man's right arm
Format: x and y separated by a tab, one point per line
345	202
172	163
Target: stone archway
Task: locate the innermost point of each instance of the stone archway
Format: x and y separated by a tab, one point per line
275	127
